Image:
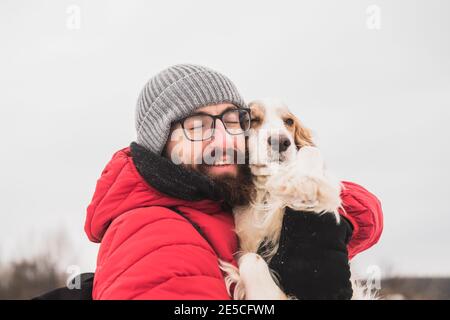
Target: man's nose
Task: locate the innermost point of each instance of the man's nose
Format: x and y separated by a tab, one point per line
220	136
279	143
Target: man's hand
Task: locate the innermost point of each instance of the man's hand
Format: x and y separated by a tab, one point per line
312	258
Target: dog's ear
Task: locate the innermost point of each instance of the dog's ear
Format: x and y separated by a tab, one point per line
257	113
254	105
302	135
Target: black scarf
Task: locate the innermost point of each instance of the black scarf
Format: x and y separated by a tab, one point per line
172	179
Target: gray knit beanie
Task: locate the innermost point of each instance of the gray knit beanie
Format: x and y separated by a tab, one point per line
174	93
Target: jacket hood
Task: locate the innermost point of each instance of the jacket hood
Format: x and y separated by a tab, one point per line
121	188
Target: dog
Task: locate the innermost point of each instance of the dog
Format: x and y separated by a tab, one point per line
287	171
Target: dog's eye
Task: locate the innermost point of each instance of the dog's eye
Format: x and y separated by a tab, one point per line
255	120
289	122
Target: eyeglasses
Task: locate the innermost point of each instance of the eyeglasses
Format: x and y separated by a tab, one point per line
201	126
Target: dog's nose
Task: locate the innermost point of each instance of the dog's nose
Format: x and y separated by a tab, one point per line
279	143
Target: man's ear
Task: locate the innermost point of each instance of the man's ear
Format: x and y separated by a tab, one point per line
302	135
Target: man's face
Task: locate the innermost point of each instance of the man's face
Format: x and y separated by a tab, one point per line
215	153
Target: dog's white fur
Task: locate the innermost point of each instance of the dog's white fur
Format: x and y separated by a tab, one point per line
296	178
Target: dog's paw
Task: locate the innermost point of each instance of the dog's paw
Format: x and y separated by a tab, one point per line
304	194
305	185
257	279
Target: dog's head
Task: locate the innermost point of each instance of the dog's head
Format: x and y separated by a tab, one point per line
275	136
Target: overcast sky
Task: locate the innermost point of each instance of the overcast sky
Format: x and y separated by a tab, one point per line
378	100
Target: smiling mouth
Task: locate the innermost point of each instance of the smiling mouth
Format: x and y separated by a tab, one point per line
221	164
223	161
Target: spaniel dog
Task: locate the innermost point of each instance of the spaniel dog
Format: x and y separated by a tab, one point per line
288	171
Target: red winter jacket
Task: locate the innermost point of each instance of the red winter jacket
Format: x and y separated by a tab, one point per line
148	251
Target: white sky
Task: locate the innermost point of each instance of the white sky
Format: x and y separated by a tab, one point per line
378	101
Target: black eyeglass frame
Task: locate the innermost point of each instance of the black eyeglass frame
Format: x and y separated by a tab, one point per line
213	123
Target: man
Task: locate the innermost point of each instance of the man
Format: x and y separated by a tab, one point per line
162	213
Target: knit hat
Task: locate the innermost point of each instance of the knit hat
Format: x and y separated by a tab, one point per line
175	93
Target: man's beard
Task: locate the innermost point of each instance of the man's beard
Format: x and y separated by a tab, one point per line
237	190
